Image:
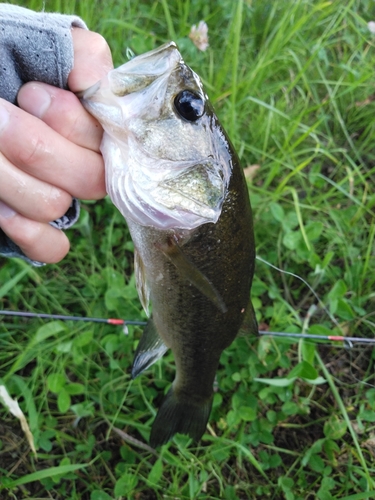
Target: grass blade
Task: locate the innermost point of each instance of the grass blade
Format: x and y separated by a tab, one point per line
7	287
42	474
335	392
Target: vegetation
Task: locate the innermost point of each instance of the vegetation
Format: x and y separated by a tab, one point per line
293	83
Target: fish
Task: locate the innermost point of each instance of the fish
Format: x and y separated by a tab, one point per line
174	175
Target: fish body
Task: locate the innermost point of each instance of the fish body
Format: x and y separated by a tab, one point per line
174	175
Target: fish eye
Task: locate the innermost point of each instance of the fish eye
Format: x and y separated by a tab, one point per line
189	105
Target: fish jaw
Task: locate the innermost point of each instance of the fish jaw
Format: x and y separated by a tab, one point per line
161	170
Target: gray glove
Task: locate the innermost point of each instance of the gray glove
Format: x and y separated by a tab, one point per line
35	46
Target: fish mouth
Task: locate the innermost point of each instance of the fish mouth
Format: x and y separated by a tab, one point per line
187	188
154	54
138	73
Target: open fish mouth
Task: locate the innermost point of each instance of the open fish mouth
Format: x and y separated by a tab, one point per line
167	164
138	73
142	70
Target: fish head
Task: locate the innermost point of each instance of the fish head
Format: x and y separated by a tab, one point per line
168	161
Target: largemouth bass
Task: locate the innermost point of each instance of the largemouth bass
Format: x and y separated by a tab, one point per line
174	175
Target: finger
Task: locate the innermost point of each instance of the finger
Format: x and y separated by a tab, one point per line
38	241
29	196
35	148
62	111
92	59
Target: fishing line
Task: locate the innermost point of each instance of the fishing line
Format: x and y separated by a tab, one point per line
332	318
123	322
108	321
347	341
320	339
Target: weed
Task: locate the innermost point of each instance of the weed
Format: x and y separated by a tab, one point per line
293	82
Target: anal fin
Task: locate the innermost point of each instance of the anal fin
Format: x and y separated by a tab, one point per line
150	349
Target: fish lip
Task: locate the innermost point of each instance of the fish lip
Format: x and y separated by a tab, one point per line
142	70
130	66
171	45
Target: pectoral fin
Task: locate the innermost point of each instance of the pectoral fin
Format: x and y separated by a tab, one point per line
150	349
141	282
190	272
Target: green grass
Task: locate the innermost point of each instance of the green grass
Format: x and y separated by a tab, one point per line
293	82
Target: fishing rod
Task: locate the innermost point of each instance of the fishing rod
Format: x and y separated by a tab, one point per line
108	321
122	322
348	341
310	336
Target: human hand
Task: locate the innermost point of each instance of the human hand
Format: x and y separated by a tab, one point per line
49	152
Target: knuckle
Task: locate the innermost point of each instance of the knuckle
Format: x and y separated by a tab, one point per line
38	241
60	249
65	114
27	235
73	127
32	151
48	245
96	188
57	204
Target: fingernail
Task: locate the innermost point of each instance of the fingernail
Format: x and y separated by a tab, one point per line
6	212
35	100
4	118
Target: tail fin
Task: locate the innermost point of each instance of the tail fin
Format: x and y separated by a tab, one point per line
180	415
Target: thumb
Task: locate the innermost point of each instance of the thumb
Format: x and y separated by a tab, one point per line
92	59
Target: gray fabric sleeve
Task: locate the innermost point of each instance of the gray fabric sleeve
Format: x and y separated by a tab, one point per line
34	46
